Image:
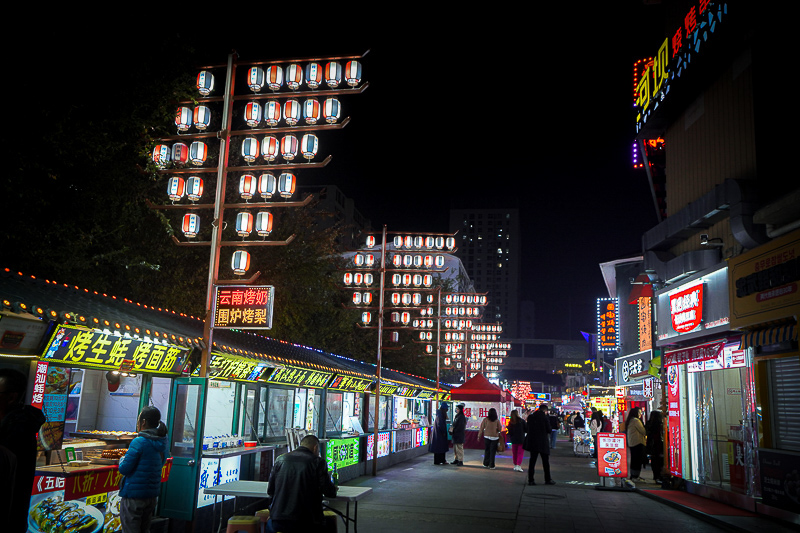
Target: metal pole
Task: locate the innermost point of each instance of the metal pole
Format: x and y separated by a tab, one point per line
438	340
216	234
380	350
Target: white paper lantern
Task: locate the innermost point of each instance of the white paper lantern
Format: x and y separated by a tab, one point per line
240	262
194	188
190	225
250	149
270	147
286	184
294	76
205	82
202	117
175	189
255	79
183	119
244	224
267	185
274	75
252	114
309	145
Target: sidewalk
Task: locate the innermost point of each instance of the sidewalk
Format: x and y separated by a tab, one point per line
417	496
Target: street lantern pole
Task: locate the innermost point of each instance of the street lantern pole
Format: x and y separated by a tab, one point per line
216	235
380	351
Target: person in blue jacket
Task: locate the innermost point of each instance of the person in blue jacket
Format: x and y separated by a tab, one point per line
141	470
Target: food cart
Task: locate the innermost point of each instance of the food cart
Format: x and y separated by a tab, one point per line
478	396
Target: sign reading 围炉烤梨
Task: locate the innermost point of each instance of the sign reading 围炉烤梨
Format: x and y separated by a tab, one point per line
243	306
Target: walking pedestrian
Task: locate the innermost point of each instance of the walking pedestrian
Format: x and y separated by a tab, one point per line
516	433
655	444
458	431
577	421
553	416
637	436
537	441
439	445
490	431
595	426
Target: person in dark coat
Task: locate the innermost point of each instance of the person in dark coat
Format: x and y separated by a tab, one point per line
655	444
553	417
439	444
18	427
458	430
537	441
578	422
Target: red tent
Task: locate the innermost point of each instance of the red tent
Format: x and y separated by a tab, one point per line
478	389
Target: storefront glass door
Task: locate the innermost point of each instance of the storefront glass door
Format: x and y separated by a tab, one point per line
179	494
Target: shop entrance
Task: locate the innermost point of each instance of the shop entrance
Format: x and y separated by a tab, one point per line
186	439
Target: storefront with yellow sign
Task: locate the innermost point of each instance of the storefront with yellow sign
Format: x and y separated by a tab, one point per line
91	385
765	303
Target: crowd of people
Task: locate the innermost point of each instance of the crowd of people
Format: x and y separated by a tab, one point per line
536	431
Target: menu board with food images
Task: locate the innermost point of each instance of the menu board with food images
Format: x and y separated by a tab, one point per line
50	388
612	455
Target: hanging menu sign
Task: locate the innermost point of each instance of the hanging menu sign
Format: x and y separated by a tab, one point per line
694	354
349	384
79	347
243	306
299	377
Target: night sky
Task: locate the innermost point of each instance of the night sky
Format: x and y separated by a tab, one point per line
529	109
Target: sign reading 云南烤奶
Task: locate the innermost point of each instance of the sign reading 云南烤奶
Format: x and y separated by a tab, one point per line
243	306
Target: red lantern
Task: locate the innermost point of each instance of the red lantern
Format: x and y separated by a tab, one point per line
333	74
331	110
267	185
352	73
289	147
202	117
294	76
205	83
247	186
272	113
348	278
252	114
194	188
244	224
269	148
255	79
175	188
309	145
286	184
183	119
162	155
291	112
274	77
311	111
313	75
191	225
197	153
250	149
240	262
180	154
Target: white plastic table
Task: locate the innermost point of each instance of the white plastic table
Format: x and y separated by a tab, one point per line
258	489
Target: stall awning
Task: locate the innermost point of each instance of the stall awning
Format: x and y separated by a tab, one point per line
764	337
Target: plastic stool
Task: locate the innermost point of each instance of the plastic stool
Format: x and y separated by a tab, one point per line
249	524
263	515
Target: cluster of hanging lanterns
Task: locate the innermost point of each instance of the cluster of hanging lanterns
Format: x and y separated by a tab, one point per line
418	242
493	328
179	154
192	188
267	185
358	278
274	77
409	280
417	261
311	112
455	299
288	147
185	118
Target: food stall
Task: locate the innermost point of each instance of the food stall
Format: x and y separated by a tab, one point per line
478	396
91	385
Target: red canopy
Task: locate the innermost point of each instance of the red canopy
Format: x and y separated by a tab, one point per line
478	389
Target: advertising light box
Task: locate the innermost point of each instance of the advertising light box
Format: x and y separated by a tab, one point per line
341	452
243	306
612	455
384	445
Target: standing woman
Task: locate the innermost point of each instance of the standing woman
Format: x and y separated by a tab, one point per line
595	427
490	431
637	436
516	433
459	429
655	444
439	444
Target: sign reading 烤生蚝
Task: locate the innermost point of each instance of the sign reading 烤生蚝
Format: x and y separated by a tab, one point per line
79	347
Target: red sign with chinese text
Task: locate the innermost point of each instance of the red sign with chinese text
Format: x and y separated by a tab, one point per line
612	455
674	420
243	307
686	308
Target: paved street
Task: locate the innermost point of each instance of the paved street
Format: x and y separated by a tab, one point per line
417	496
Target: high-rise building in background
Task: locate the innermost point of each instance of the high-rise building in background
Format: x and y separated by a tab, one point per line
488	243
